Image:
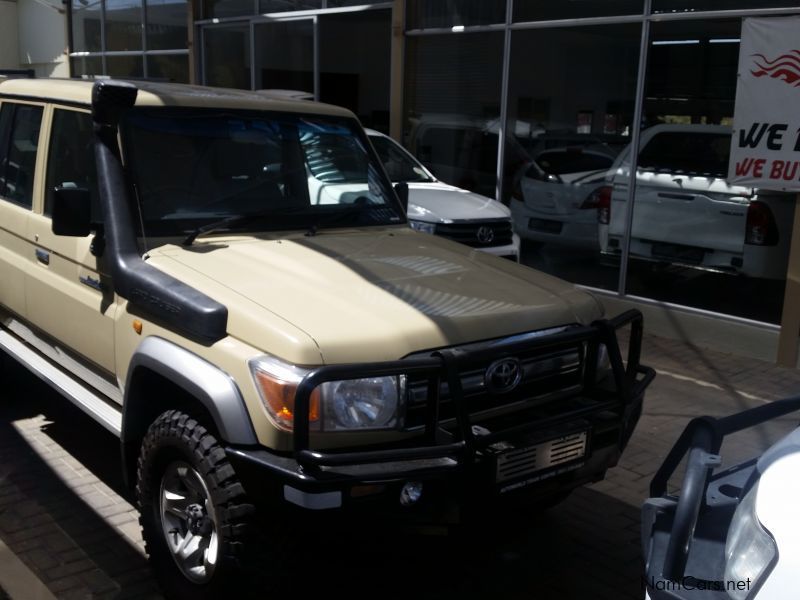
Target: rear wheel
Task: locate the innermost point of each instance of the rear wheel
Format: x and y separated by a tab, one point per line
196	520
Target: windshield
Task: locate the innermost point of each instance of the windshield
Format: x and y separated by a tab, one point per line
193	167
399	164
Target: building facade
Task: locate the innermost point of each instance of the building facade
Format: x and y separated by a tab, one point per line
33	36
548	106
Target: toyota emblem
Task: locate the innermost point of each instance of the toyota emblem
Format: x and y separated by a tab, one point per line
503	375
485	235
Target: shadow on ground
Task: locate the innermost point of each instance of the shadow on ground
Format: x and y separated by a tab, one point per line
585	547
64	538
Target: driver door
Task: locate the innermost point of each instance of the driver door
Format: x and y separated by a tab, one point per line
69	292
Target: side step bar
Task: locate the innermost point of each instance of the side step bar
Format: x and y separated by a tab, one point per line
87	400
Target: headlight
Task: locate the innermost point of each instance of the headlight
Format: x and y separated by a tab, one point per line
423	226
749	549
371	403
352	404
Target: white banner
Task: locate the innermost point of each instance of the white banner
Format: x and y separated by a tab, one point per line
765	148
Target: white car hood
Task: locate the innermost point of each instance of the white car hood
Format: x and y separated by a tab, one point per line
439	202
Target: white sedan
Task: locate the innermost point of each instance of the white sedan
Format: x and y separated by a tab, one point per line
557	197
441	209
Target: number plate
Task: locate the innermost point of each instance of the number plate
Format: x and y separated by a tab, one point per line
520	462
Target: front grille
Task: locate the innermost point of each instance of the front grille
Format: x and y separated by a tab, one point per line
522	461
478	234
545	376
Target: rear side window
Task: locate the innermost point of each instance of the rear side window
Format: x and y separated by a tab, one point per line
569	161
19	142
70	161
689	153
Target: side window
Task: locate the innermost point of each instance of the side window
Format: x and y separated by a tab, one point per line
19	142
70	162
688	153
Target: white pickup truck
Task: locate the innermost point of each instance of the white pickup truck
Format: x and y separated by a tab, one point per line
686	213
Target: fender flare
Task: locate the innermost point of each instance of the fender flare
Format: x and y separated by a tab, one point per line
214	389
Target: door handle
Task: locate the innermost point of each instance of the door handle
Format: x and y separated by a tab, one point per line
43	256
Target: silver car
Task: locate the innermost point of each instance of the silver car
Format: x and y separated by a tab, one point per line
442	209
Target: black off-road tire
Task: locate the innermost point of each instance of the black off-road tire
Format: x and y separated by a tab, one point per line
176	438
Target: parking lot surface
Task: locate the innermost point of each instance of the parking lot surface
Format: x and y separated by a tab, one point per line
65	514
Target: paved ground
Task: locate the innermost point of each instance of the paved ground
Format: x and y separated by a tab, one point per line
64	513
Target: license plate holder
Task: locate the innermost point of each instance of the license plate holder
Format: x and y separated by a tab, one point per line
676	252
545	225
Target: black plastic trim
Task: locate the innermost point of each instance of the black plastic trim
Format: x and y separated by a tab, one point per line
203	381
173	303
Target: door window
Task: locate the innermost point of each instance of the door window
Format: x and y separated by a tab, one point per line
71	158
19	142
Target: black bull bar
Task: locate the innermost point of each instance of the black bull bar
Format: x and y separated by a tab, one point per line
630	379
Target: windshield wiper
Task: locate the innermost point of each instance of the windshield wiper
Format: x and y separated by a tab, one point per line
229	222
341	215
225	223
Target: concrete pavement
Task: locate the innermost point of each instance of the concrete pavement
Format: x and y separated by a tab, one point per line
65	515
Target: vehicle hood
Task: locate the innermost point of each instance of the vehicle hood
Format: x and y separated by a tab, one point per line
366	295
438	202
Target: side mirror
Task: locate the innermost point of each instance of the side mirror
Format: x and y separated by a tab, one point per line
401	189
72	212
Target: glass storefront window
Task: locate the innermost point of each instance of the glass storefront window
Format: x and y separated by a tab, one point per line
168	67
340	3
164	23
277	6
680	6
695	240
86	25
356	74
558	9
85	65
123	25
226	52
284	55
167	24
452	106
221	9
569	117
124	66
424	14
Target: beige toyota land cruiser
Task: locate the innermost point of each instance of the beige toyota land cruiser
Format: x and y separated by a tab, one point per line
228	283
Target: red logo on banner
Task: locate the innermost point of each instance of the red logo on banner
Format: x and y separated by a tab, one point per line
785	67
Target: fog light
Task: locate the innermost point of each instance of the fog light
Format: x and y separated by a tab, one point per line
411	493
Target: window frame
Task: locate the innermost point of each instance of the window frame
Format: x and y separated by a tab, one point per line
38	163
51	121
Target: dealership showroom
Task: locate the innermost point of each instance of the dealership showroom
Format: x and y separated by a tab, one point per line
567	85
541	110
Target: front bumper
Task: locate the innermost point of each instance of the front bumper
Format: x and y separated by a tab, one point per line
510	251
462	462
578	229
